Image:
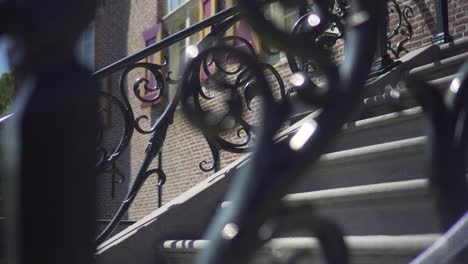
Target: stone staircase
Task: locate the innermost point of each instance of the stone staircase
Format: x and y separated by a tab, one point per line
372	182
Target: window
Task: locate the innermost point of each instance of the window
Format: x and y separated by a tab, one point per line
173	5
183	17
284	19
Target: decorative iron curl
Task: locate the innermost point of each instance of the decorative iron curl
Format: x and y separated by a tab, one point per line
243	81
113	171
170	80
212	125
215	165
297	44
306	66
105	160
406	30
153	149
402	27
257	191
158	89
218	60
160	173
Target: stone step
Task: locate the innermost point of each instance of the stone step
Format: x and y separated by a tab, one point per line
386	162
440	69
380	129
379	249
459	46
384	103
392	208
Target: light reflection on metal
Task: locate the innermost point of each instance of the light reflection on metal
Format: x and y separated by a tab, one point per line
455	85
192	51
230	231
313	20
297	79
303	135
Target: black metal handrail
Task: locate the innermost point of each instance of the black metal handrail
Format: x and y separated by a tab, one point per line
166	42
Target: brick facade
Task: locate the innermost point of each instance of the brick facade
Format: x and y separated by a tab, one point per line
119	28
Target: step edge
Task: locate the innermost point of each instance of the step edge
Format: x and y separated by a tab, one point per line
358	245
374	192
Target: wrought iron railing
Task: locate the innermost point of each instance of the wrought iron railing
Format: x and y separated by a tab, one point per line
321	24
275	166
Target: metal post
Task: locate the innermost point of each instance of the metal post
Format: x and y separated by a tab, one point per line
55	127
159	180
442	34
382	62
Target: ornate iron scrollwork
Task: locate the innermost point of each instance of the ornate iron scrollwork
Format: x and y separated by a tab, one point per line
106	163
403	28
233	76
255	193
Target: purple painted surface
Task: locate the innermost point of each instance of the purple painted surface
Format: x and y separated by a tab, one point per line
151	33
206	8
243	30
151	36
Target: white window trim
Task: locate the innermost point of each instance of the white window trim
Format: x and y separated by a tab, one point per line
179	9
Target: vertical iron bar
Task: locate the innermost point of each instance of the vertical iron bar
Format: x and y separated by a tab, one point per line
442	34
56	130
382	62
159	180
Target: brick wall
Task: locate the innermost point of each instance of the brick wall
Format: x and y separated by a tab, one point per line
119	30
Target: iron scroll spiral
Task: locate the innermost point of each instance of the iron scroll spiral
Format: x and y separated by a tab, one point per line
105	157
158	130
141	84
257	190
242	85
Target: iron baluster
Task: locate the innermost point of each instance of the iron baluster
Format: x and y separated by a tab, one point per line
154	147
161	179
442	34
52	155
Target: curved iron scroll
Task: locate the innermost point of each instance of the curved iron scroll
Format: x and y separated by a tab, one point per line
257	190
403	27
154	147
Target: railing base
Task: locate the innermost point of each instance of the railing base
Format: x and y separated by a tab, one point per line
382	65
442	38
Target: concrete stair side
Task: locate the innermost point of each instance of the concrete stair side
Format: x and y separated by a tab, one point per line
363	249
